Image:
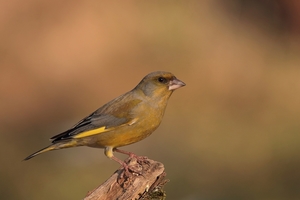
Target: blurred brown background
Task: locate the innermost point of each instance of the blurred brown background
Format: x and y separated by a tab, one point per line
231	133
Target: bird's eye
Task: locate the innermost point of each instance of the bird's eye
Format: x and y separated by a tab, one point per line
162	80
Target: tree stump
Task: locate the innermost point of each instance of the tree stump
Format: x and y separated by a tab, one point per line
145	183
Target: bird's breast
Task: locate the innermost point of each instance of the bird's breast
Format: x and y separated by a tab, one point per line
140	127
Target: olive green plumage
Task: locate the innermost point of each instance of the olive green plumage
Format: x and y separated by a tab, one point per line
126	119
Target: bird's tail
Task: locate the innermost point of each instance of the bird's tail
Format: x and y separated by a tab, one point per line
53	147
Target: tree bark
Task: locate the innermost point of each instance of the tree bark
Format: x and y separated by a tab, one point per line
145	183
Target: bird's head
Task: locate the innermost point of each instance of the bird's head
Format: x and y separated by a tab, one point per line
159	84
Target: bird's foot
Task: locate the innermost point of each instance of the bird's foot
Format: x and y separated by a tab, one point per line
130	166
134	168
140	159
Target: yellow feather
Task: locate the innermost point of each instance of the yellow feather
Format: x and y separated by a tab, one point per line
91	132
102	130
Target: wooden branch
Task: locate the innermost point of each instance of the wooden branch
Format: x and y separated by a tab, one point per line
146	184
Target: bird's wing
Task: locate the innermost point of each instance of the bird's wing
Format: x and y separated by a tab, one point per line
105	119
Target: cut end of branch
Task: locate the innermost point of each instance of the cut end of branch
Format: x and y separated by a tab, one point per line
144	184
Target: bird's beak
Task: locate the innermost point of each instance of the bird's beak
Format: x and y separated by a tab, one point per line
175	84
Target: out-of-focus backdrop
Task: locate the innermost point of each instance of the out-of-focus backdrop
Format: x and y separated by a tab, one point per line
231	133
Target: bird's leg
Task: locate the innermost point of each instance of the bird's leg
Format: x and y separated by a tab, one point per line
130	154
140	159
123	164
127	169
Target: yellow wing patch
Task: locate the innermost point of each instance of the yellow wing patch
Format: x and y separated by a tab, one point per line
91	132
102	129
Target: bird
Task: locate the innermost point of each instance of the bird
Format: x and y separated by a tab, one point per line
122	121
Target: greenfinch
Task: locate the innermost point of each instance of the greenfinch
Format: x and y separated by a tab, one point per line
126	119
